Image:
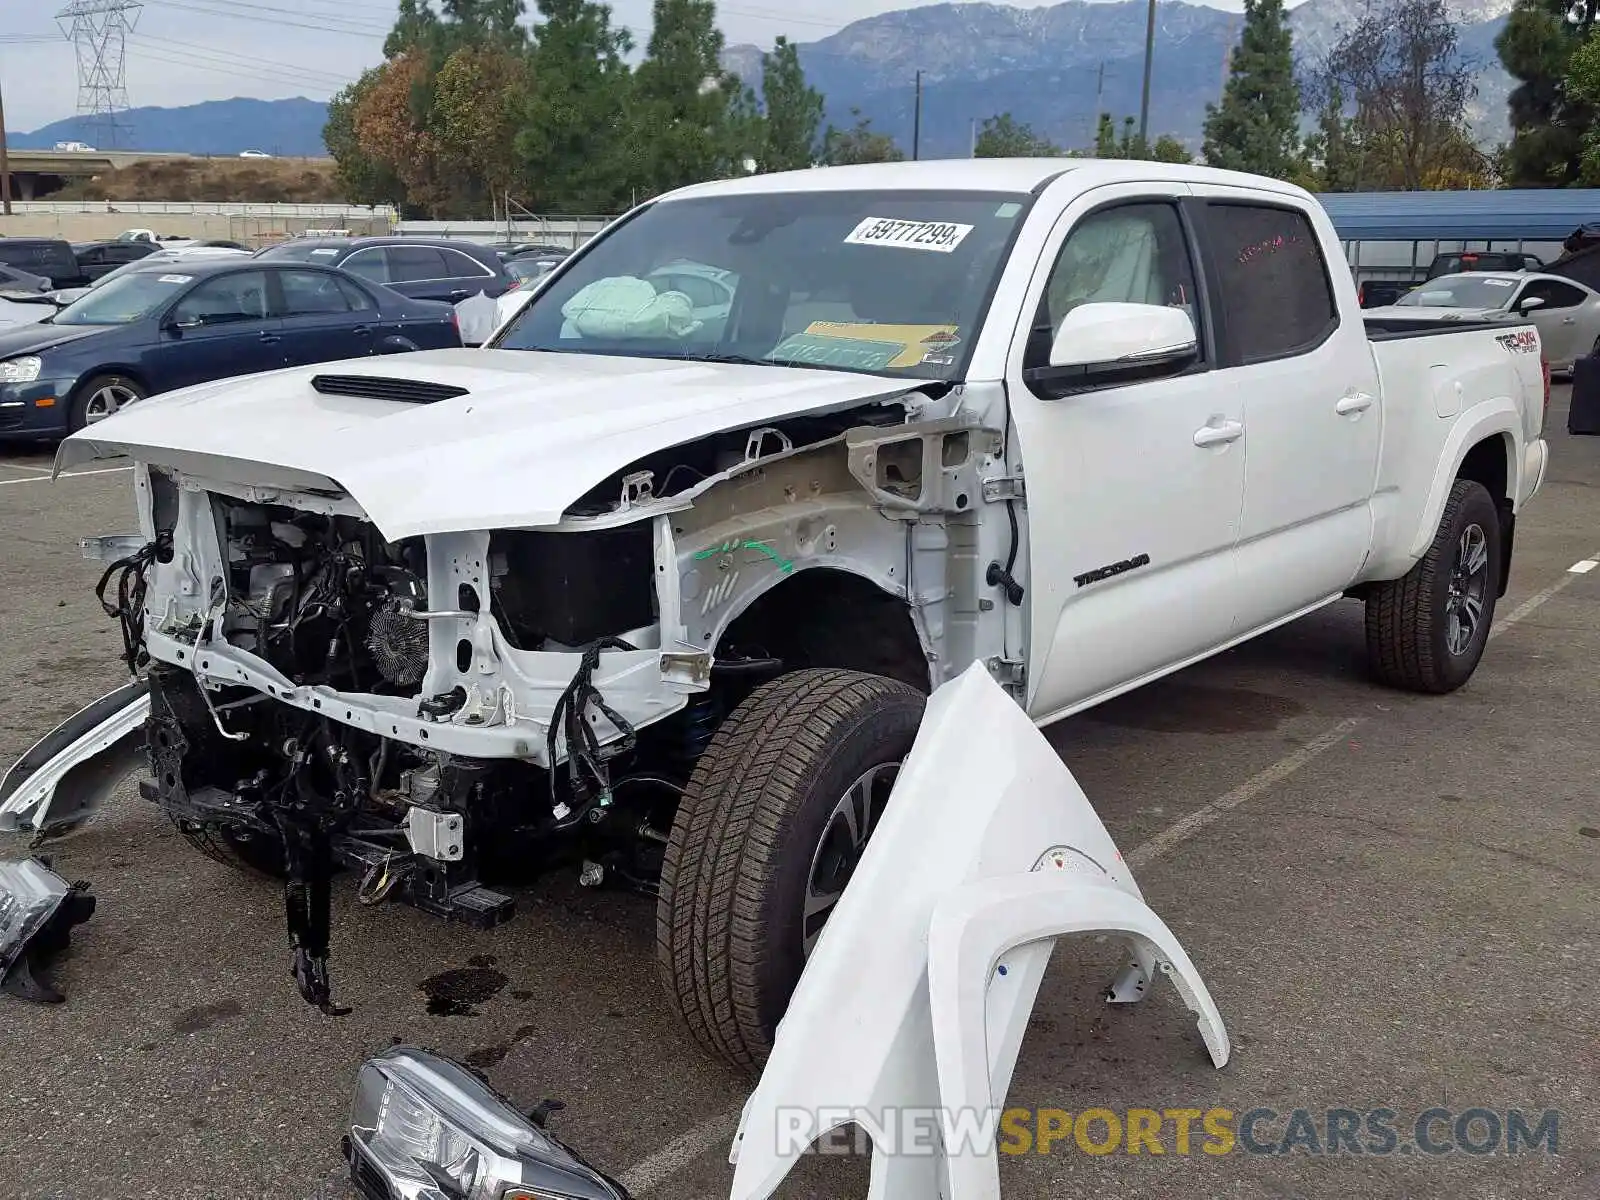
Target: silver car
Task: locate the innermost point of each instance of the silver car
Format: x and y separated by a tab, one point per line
1566	313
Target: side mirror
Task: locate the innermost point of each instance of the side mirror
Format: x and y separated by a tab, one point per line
1528	303
1104	343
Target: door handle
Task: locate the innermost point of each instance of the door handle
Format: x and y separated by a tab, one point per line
1216	435
459	294
362	330
1569	320
1353	403
269	339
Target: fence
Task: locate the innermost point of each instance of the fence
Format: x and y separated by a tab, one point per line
567	232
207	208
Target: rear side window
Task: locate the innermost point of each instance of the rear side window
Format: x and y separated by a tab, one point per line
460	265
312	293
1272	282
54	259
1554	295
413	264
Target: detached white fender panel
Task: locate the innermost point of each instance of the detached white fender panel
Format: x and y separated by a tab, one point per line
63	777
981	861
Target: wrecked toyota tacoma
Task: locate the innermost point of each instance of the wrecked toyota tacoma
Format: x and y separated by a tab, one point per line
653	587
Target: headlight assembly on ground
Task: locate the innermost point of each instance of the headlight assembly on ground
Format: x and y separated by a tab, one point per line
20	370
424	1128
37	912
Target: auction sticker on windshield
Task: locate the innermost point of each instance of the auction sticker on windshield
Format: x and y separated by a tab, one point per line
942	236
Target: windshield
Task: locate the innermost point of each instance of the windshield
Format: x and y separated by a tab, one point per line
1461	291
881	282
123	301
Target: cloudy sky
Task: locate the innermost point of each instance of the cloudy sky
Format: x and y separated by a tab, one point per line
186	51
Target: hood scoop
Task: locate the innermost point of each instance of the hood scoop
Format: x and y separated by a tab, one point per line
379	387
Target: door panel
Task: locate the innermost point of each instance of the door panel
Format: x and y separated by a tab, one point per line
224	330
1312	414
324	317
1556	319
1147	473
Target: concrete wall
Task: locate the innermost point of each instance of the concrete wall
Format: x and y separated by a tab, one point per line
252	230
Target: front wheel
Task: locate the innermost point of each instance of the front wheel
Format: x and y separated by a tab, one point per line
770	829
101	397
1427	630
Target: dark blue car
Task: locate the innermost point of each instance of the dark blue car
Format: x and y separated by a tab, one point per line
172	325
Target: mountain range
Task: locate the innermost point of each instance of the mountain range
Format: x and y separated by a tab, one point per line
1054	68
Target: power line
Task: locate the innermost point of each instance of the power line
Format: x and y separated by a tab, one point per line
364	32
237	58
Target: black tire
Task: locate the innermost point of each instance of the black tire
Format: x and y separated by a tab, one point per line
248	851
730	934
1409	620
89	389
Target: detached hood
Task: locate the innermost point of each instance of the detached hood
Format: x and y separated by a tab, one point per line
504	438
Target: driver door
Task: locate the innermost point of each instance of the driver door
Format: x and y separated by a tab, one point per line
1556	319
220	328
1142	478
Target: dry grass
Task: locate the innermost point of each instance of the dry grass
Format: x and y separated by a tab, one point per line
264	181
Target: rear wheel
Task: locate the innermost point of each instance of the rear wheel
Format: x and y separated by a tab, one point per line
101	397
770	829
1427	631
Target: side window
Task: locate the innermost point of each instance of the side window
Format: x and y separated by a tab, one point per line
225	300
414	264
371	265
355	297
1554	295
459	265
1133	254
92	258
1272	283
311	293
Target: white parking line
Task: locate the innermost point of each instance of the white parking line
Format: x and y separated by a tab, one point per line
1584	567
1521	611
24	467
67	475
652	1172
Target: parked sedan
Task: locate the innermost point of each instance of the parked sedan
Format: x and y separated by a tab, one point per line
171	325
101	258
1566	313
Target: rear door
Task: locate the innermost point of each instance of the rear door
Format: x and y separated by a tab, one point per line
1295	349
323	316
466	277
221	327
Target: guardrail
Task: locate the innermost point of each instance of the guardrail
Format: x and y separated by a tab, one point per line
569	232
204	208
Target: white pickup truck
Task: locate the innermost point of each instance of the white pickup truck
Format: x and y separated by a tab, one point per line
656	584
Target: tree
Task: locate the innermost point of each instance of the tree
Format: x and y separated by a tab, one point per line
791	109
574	139
1169	149
1549	121
388	132
1402	69
1006	137
681	100
362	178
860	144
478	99
1583	86
1256	128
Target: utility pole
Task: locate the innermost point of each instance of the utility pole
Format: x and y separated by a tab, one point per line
972	138
1149	54
5	163
916	120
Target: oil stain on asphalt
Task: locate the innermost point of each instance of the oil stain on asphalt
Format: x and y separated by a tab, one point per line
204	1016
454	993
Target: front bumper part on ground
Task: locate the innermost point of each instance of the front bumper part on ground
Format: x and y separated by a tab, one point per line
61	780
912	1008
38	910
425	1128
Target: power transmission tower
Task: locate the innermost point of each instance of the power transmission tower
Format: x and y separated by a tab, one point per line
98	31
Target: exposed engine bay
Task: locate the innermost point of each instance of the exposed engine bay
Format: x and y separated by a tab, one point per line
328	603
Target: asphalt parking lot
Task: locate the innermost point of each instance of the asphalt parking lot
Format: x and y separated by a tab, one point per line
1393	899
